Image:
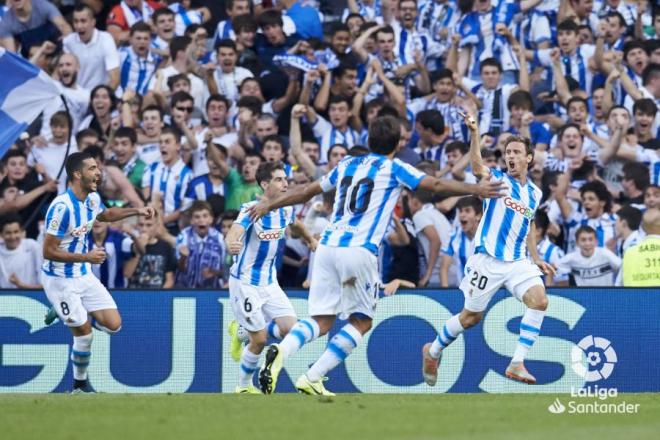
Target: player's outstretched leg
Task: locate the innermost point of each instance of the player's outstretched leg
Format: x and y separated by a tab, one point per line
339	348
530	327
432	352
303	332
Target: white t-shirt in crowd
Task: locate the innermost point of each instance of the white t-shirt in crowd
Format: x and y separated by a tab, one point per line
51	157
96	57
598	270
24	261
428	216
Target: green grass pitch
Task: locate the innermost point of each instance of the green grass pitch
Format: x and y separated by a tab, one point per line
290	416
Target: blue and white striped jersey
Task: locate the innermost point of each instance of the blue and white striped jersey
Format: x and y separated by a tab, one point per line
255	264
71	220
460	247
450	112
171	182
136	73
549	252
504	227
184	18
223	31
118	249
605	227
367	190
651	158
575	66
328	135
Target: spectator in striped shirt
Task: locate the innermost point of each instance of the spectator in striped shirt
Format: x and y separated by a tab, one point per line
461	244
137	65
200	250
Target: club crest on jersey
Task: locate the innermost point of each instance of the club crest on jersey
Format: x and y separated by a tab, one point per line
271	234
82	230
518	207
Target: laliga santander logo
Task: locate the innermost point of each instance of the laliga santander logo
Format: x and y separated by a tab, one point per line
518	207
273	234
600	357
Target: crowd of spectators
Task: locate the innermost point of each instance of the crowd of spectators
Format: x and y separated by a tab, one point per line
180	101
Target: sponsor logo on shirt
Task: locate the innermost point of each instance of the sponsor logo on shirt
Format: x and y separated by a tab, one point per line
271	235
82	230
518	207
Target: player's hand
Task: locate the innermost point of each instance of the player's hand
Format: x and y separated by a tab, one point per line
470	121
235	247
527	118
257	211
488	189
96	255
391	288
313	244
546	268
298	111
147	212
13	278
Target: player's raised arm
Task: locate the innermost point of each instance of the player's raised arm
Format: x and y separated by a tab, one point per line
485	188
480	170
115	214
290	198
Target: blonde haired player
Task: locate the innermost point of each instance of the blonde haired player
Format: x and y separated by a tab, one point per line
504	236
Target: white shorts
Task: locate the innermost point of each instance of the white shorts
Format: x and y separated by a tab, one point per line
254	306
74	298
344	281
485	275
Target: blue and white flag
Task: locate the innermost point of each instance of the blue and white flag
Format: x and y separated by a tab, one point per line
295	61
25	91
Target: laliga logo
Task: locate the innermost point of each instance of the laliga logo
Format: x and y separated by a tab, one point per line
271	235
593	348
518	207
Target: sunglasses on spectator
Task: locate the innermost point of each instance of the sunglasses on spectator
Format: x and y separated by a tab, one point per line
185	109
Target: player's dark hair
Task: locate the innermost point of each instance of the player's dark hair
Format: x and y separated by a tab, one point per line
387	29
339	27
617	107
617	15
172	80
266	170
431	119
600	190
577	99
74	163
274	138
584	229
343	67
423	196
384	135
80	7
128	133
216	97
470	202
332	147
631	45
338	99
152	108
631	215
358	150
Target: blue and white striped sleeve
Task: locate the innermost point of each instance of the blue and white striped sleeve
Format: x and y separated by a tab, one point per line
407	175
57	219
180	241
449	248
243	218
329	181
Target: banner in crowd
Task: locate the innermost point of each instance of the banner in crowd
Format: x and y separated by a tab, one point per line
176	341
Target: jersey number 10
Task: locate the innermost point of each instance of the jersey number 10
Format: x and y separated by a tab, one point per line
360	194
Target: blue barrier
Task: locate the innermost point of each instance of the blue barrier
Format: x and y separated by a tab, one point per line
175	341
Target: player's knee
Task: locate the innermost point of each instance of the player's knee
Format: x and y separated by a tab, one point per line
469	319
258	340
536	299
361	322
114	325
